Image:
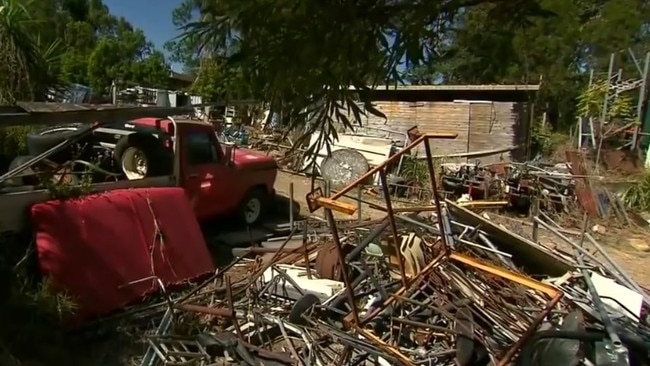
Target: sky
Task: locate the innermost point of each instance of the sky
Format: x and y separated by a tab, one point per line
153	17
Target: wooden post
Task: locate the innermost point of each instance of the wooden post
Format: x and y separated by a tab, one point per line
535	224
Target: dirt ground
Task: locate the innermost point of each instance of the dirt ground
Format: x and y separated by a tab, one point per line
634	259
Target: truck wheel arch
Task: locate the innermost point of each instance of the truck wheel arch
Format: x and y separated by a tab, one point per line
256	193
159	161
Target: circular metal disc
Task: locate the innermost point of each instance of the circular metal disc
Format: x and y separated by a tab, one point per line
343	167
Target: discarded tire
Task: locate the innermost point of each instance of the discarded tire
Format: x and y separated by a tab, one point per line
40	142
302	307
24	179
141	155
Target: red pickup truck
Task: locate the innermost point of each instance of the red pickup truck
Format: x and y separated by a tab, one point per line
220	180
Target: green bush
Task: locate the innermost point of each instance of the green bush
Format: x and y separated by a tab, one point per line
545	141
13	140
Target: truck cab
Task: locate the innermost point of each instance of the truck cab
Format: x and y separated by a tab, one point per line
220	180
223	180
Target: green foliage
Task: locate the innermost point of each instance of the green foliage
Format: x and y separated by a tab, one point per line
637	196
215	81
560	50
311	58
592	100
45	44
31	311
13	140
545	141
26	60
415	170
59	189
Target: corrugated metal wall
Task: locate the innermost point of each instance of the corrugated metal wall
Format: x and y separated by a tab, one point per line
479	125
493	126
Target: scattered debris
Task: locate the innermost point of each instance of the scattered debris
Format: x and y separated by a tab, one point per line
436	285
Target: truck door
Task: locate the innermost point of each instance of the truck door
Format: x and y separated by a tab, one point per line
206	176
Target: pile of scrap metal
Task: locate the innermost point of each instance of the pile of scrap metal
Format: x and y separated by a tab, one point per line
435	285
418	297
515	185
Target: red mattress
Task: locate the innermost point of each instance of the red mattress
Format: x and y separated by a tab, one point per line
95	246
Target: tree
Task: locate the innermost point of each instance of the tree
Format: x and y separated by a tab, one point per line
309	56
26	61
560	49
185	50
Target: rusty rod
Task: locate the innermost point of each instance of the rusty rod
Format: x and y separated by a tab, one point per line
393	226
306	251
415	281
231	304
392	159
341	255
434	190
531	330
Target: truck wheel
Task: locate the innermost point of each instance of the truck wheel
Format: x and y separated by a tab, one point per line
141	155
39	142
253	207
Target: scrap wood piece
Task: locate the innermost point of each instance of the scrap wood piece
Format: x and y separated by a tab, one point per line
316	200
405	361
542	260
504	273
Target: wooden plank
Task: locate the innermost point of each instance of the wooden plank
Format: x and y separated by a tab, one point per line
34	113
536	258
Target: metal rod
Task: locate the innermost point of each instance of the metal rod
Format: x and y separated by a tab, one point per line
359	205
625	277
535	223
328	191
291	202
393	226
392	159
434	189
530	331
603	115
306	250
344	272
600	308
642	95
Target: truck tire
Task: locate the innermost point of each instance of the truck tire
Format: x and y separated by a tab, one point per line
141	155
253	206
31	180
39	142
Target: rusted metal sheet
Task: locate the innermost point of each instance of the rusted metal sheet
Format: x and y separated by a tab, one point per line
583	190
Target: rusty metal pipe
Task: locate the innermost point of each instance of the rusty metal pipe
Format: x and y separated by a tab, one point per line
391	160
418	278
530	331
368	239
393	226
344	269
220	312
434	190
